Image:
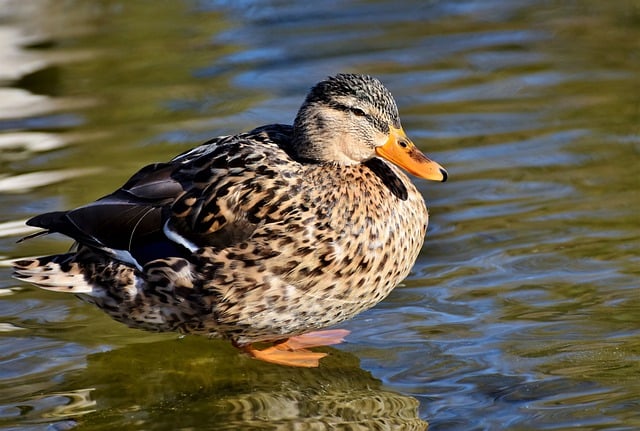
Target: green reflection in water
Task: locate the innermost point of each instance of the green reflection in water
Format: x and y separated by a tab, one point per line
225	391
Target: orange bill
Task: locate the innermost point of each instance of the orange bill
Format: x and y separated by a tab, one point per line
401	151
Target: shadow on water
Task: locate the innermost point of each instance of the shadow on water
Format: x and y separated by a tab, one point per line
194	383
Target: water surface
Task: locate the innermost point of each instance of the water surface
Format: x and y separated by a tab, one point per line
523	310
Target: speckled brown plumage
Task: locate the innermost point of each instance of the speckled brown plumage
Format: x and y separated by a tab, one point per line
259	236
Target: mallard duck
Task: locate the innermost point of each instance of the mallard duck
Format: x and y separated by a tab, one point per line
261	237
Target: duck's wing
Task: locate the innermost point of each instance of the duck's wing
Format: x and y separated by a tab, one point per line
125	223
234	188
208	196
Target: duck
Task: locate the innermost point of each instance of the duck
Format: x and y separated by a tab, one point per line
264	238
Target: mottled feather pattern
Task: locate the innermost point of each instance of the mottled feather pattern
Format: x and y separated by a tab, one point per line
324	276
253	237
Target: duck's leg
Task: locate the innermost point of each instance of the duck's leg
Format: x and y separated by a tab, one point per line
292	351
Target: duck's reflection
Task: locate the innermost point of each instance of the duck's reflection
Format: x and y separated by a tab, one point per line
194	383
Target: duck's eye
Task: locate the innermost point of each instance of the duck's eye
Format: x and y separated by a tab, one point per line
359	112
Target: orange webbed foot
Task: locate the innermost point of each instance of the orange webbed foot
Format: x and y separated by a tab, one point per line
293	351
297	358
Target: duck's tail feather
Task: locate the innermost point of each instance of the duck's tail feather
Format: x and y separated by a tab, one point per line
121	290
58	273
33	235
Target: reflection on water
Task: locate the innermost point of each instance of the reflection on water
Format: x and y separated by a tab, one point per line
223	392
522	311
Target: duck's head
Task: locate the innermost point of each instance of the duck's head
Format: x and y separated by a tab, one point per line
349	119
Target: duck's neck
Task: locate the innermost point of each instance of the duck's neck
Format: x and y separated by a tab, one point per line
320	137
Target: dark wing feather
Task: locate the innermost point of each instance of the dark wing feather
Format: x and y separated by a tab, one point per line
130	219
154	183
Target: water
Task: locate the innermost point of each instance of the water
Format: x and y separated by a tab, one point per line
522	312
